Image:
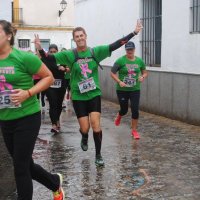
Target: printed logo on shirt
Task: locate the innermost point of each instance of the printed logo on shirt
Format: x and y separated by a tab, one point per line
85	69
131	70
7	70
84	60
4	85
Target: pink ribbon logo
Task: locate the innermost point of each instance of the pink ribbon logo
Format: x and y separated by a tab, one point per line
84	68
4	85
131	72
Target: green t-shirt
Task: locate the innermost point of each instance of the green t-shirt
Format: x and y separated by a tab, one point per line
16	73
129	72
84	73
67	75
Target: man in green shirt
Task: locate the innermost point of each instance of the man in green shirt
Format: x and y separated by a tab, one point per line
131	72
84	82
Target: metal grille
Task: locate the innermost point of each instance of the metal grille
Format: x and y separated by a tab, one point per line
152	32
195	16
24	44
17	15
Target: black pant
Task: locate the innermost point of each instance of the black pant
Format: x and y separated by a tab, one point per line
55	97
42	93
20	137
123	97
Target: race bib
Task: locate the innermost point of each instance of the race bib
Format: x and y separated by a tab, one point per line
5	101
130	82
87	85
57	83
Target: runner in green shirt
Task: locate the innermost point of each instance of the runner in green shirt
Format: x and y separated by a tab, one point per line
131	72
20	116
85	88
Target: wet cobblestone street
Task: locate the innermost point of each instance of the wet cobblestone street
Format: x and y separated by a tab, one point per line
163	164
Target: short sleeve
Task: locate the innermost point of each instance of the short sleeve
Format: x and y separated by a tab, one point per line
115	67
62	58
143	66
102	52
32	63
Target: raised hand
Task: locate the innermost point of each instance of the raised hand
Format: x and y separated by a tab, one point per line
138	27
37	42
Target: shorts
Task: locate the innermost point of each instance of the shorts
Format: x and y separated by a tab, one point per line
83	108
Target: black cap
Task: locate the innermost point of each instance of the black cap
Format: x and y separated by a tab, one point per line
129	45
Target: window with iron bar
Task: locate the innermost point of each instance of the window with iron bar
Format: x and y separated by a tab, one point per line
24	43
152	32
194	16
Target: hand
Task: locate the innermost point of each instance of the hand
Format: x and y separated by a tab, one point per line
67	69
61	68
18	96
141	79
138	27
122	84
37	42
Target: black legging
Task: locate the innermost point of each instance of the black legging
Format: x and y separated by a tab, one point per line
20	137
55	97
123	97
43	93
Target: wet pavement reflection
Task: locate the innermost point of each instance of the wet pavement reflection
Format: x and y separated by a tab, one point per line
163	164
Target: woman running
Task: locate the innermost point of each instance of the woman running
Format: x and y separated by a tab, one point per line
132	71
20	116
56	92
85	88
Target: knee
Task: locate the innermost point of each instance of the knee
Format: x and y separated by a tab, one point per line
95	127
84	129
21	168
123	112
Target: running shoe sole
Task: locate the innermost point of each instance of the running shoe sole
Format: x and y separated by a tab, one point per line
61	182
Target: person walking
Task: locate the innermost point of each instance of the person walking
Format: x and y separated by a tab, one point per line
20	116
56	92
131	73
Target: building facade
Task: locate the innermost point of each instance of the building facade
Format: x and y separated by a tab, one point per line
5	10
169	44
43	18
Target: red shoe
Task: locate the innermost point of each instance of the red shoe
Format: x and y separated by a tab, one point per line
135	134
59	194
118	120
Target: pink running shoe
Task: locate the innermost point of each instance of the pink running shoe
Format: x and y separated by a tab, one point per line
118	120
135	134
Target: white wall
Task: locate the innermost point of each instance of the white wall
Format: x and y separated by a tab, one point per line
5	10
106	21
60	38
45	12
180	49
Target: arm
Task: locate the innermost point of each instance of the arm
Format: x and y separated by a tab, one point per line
42	54
143	76
113	74
46	80
124	40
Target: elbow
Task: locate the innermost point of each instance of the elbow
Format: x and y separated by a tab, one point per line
51	79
